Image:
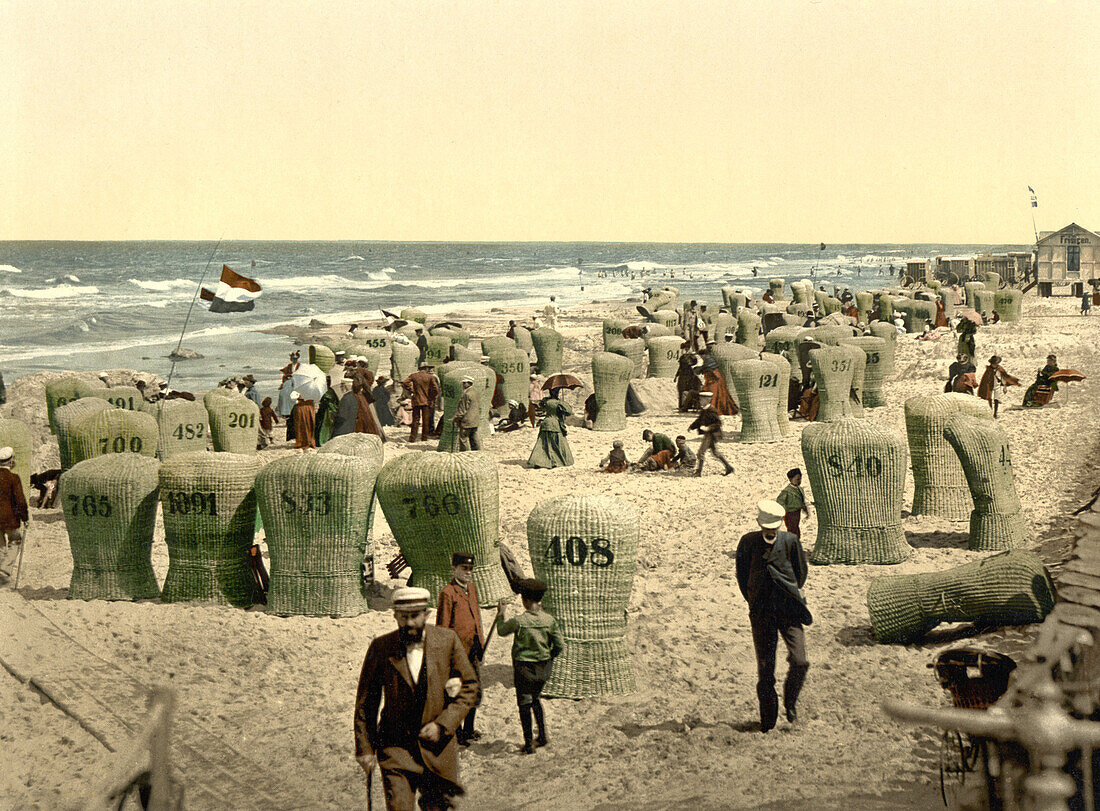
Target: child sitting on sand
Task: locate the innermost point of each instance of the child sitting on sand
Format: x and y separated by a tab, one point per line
615	461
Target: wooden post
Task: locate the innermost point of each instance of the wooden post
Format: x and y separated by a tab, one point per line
160	750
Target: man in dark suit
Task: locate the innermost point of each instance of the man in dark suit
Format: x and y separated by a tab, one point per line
771	570
413	741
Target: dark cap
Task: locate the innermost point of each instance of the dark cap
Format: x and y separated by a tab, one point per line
462	558
531	588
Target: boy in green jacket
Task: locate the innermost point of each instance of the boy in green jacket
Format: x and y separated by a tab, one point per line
537	642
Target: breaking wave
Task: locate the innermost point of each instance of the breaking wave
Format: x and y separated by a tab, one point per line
46	293
162	287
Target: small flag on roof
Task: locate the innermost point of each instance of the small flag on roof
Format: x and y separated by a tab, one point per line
234	294
1034	197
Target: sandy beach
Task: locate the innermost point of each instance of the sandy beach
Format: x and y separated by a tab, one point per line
280	691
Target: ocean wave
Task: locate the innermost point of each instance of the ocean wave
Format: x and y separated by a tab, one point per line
382	275
61	291
9	269
163	287
353	258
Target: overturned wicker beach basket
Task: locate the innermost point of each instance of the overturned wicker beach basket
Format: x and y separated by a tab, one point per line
939	481
413	314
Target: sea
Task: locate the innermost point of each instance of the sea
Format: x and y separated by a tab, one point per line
87	306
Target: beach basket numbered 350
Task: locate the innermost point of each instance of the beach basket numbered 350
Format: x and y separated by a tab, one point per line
577	551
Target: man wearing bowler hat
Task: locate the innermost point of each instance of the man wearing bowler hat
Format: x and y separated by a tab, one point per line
413	741
771	570
459	610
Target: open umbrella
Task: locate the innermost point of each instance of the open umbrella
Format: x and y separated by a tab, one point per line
970	315
1067	376
561	381
309	381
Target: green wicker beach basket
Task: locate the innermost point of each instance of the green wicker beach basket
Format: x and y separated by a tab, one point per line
833	368
112	430
865	302
367	446
457	335
438	350
515	369
440	503
214	394
659	331
379	341
732	299
125	397
783	339
460	352
16	435
234	423
585	547
997	521
497	343
64	391
404	360
985	301
831	305
450	384
664	356
611	374
726	355
886	308
666	318
859	367
548	349
613	330
1010	588
776	287
992	280
1008	304
874	355
971	289
783	366
947	296
830	334
886	331
633	349
920	312
856	470
317	512
209	509
110	508
748	329
724	324
66	418
523	339
183	426
322	357
413	314
940	487
758	386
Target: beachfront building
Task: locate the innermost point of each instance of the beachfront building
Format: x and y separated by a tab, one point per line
1067	258
954	269
1013	267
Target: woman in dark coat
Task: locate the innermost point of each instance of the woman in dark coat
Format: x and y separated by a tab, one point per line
551	450
687	383
326	414
381	396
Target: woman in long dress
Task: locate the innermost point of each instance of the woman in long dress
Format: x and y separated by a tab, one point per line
551	450
716	384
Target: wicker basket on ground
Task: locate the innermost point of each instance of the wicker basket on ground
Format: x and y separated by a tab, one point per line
776	287
234	423
783	366
183	426
377	340
413	314
584	547
613	330
832	369
758	391
16	435
403	360
128	398
634	350
522	337
971	289
438	350
497	343
66	417
748	329
725	355
548	348
611	375
664	356
886	331
63	391
321	356
992	280
367	446
1008	304
985	300
865	302
859	366
666	318
112	430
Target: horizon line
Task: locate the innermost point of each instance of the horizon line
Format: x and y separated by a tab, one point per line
507	242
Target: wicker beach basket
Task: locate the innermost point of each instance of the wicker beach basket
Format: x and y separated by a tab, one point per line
725	355
783	339
322	357
919	313
127	398
515	369
664	356
460	352
831	334
611	375
234	423
985	301
1010	588
497	343
110	509
112	430
856	470
548	348
64	391
832	368
886	331
748	329
523	339
633	349
440	503
859	366
939	481
413	314
886	308
214	394
997	521
947	296
665	318
450	385
613	330
403	360
865	302
66	417
317	512
758	385
1008	304
724	324
183	426
379	341
784	368
209	509
584	547
874	353
831	305
776	287
971	289
16	435
732	299
992	280
366	446
802	292
438	350
457	335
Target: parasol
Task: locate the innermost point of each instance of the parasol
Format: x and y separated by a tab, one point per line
1067	376
970	315
309	381
561	381
644	312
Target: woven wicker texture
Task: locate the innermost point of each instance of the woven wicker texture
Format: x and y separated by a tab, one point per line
833	368
783	339
547	343
776	287
1008	304
724	324
450	385
413	314
727	295
758	386
379	341
783	366
886	307
460	352
1011	588
831	305
984	300
725	355
456	334
664	356
886	331
110	508
66	417
523	339
584	547
438	350
212	395
659	299
440	503
733	300
947	296
920	312
317	512
803	292
831	334
874	352
404	360
64	391
125	397
859	366
16	435
613	330
997	521
234	423
112	430
496	343
971	288
322	357
209	509
992	280
659	331
611	375
865	302
633	349
748	329
856	470
367	446
666	318
514	367
939	482
183	426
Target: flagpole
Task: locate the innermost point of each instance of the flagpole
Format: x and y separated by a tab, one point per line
195	298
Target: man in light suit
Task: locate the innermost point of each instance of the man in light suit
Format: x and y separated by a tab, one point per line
413	742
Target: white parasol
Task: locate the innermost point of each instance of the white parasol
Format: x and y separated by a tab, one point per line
309	381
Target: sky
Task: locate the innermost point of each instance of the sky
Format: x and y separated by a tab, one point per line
604	121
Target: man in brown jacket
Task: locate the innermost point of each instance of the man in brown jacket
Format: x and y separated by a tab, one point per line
13	510
459	610
423	388
413	741
467	415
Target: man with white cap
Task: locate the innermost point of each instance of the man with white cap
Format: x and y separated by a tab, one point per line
771	570
13	508
413	742
466	417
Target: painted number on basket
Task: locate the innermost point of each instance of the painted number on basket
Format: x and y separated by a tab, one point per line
119	444
122	402
1006	457
869	466
242	420
672	354
575	551
431	506
872	357
315	503
842	365
190	430
513	368
182	502
768	381
376	343
91	506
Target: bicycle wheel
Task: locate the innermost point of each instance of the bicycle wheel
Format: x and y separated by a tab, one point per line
954	764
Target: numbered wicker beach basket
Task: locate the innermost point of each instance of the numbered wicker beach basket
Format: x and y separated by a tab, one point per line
548	349
183	426
783	367
450	385
613	331
664	356
874	352
63	391
234	423
112	430
512	365
757	383
833	368
66	417
611	373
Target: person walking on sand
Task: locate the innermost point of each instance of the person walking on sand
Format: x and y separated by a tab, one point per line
303	422
537	643
550	314
423	388
551	450
459	610
709	426
1086	302
466	417
13	511
793	500
994	381
407	671
268	420
771	570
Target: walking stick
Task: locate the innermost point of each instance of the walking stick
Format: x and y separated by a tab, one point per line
370	781
19	562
